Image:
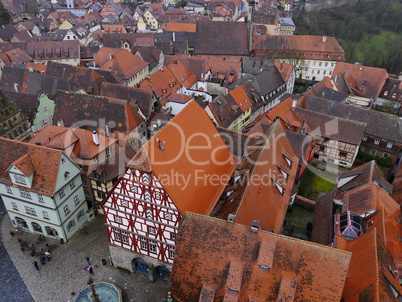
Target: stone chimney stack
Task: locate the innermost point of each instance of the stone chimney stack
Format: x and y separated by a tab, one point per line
95	138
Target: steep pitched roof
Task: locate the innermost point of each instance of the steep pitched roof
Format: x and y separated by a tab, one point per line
134	39
28	103
88	79
361	175
340	129
182	74
369	277
139	96
44	161
360	80
181	139
379	124
76	109
327	48
119	61
231	262
173	27
264	182
221	38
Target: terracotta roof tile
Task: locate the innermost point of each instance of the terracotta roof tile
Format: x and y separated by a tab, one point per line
43	162
261	192
196	165
227	253
369	81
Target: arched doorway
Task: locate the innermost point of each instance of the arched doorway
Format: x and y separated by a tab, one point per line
36	227
51	232
162	273
21	223
140	265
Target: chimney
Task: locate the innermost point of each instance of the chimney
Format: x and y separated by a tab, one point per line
60	123
294	103
231	217
107	128
95	138
111	56
174	36
324	39
16	87
175	60
255	225
400	76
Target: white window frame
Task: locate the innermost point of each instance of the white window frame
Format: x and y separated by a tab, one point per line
45	215
125	237
66	209
152	246
20	179
25	193
377	141
144	244
30	210
71	225
61	193
364	138
118	219
76	199
9	190
14	205
389	145
40	198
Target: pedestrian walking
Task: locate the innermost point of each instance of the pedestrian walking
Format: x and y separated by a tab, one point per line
47	255
36	265
88	260
42	259
91	270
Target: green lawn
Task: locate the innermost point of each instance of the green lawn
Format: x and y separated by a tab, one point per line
315	182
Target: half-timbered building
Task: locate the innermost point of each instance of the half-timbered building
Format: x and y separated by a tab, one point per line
184	167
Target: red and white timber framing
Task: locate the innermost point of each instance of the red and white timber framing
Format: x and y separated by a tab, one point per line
141	217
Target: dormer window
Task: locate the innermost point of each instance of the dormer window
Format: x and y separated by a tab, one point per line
390	144
364	138
20	179
377	141
25	193
386	93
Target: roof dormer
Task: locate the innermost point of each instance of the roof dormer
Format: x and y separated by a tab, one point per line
22	171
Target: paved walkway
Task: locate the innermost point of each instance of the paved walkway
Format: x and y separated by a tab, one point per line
60	279
12	287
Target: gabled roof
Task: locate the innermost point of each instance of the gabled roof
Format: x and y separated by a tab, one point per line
221	38
113	166
227	108
81	139
361	175
139	96
309	47
175	150
18	56
182	74
369	275
392	90
253	65
88	79
119	61
231	262
76	109
360	80
264	182
53	49
44	161
379	124
134	39
340	129
150	54
24	81
198	66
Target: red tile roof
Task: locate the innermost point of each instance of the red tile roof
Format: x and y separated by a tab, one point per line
42	161
223	261
194	151
311	47
363	80
262	192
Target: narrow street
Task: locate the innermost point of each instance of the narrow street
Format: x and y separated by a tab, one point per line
12	287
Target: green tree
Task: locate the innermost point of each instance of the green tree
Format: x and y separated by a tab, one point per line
4	15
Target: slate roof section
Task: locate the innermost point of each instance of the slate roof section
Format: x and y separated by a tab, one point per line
254	66
24	81
54	50
78	110
88	79
379	124
221	38
178	138
336	128
333	95
45	162
231	262
150	54
28	103
138	96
